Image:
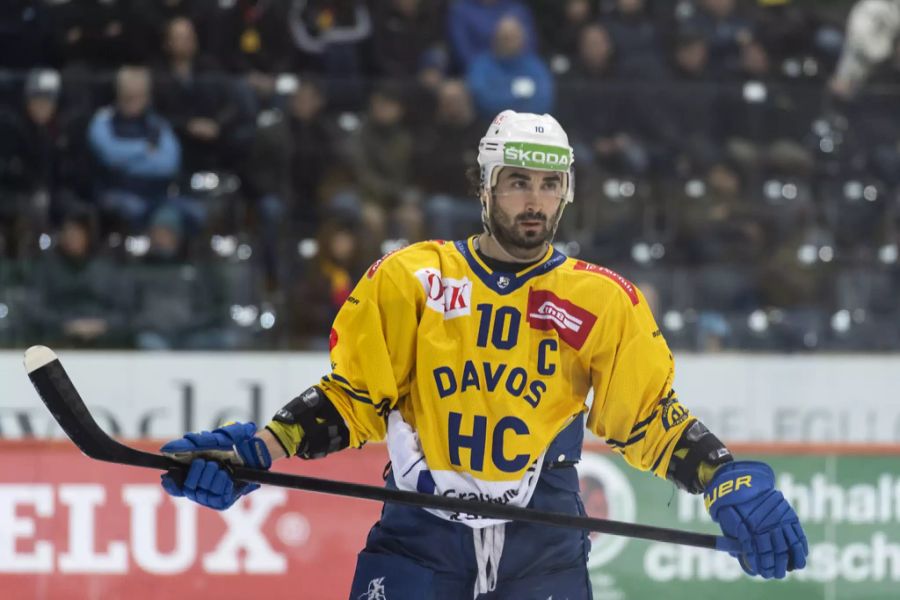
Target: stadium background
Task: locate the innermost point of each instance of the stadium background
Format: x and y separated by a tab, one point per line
213	175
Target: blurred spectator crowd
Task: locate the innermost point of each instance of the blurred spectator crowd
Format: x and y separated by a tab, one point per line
215	174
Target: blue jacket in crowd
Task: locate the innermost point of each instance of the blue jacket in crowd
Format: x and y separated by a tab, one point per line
138	155
471	25
522	83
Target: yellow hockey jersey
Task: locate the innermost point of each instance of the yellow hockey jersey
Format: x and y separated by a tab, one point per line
488	367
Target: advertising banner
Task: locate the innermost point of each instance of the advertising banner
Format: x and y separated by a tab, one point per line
848	505
743	398
73	528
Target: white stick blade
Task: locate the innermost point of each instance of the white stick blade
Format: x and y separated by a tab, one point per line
38	356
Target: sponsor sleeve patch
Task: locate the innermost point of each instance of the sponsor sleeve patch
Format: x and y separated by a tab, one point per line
548	311
623	283
673	412
448	296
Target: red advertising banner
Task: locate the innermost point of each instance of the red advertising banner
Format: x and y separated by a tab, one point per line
74	528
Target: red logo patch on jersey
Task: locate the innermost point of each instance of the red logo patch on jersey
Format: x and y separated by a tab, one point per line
332	339
448	296
610	274
548	311
371	273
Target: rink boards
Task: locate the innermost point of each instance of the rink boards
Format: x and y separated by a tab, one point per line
743	398
75	528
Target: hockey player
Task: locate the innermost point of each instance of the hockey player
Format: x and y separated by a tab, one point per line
474	359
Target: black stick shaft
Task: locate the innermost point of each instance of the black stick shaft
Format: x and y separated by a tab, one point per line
476	507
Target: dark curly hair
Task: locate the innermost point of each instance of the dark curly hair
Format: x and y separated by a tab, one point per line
473	178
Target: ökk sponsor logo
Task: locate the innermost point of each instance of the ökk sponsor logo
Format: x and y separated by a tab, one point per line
451	297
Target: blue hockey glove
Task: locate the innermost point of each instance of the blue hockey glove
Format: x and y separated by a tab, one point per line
742	499
208	481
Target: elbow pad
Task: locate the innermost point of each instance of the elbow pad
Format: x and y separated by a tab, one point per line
697	450
323	427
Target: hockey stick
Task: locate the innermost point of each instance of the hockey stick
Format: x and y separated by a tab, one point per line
60	396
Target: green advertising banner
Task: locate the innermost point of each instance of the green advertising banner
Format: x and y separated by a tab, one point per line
848	505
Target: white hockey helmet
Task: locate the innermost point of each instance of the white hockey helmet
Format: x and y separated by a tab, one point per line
529	141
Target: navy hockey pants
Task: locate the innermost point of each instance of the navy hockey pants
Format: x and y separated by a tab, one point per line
413	555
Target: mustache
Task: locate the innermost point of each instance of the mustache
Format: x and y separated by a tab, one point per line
531	217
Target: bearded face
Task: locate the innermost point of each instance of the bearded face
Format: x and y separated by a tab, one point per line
525	207
526	230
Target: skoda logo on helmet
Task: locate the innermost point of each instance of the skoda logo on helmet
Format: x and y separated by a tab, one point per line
538	156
